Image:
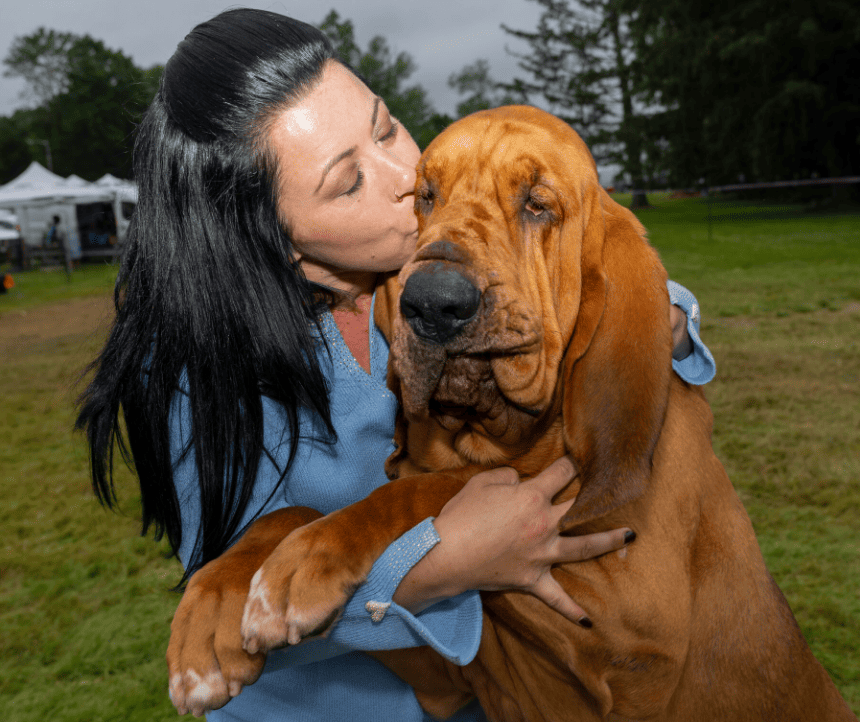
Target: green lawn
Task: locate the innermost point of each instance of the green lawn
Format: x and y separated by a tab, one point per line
84	602
780	297
41	287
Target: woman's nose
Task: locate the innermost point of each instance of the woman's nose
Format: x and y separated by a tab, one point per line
403	172
404	181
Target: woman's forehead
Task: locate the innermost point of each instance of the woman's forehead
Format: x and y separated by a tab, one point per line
338	106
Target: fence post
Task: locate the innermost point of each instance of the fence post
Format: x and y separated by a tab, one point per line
67	255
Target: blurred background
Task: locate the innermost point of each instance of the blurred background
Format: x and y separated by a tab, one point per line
666	94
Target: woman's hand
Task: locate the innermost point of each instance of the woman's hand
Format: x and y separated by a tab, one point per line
499	533
681	342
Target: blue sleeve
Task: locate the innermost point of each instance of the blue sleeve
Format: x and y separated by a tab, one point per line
699	367
452	627
371	621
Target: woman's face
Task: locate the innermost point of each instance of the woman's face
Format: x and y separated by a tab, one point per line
345	166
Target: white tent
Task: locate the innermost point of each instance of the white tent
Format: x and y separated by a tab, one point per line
35	177
75	181
110	181
38	184
38	194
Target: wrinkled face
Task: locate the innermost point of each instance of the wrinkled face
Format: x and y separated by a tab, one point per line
345	166
489	301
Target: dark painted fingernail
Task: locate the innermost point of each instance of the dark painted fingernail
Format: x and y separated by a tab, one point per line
630	537
586	622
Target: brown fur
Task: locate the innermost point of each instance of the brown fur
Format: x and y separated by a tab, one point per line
570	352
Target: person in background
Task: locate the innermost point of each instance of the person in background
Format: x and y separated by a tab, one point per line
56	235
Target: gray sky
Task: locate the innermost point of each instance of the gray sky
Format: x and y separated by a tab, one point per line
441	35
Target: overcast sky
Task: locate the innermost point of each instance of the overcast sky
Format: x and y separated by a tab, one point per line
441	35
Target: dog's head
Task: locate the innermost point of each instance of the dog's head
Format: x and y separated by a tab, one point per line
531	294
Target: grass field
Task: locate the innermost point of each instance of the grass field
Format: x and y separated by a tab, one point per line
84	601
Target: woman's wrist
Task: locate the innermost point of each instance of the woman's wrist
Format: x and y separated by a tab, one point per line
428	582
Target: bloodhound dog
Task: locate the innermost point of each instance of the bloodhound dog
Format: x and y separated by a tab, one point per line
533	321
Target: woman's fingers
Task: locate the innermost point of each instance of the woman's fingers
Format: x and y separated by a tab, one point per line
555	477
588	546
577	549
502	475
550	481
499	533
549	591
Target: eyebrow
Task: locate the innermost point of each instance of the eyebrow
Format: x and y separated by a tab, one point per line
349	151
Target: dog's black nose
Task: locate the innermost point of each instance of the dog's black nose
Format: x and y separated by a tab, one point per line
438	302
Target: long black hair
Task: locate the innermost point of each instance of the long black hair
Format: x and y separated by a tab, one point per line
208	285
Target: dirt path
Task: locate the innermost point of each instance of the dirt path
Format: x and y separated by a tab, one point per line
21	330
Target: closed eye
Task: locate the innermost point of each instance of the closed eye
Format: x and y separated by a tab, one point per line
391	133
539	204
359	181
534	207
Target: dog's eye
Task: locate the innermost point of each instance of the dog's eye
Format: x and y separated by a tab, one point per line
534	207
425	200
539	204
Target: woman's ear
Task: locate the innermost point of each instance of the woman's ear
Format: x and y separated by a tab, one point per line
618	364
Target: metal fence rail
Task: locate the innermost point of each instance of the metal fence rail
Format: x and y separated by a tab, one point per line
787	184
710	190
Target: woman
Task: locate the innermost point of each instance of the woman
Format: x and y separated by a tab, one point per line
274	190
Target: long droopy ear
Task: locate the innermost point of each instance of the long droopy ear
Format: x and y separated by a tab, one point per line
385	306
385	309
618	362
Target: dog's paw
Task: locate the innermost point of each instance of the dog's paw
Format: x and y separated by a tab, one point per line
207	665
300	590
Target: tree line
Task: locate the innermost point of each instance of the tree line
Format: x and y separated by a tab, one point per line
681	92
86	101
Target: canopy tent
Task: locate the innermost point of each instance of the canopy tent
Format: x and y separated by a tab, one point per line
87	210
39	185
75	181
36	176
110	181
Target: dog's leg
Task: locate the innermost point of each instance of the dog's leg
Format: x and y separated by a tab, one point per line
205	659
302	587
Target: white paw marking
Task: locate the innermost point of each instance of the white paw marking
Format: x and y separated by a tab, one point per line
259	620
259	593
174	688
202	691
234	688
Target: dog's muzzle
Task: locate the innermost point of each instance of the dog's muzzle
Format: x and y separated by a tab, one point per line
438	301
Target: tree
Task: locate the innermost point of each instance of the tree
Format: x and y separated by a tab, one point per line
15	153
580	61
42	60
106	96
754	87
483	92
88	100
385	74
